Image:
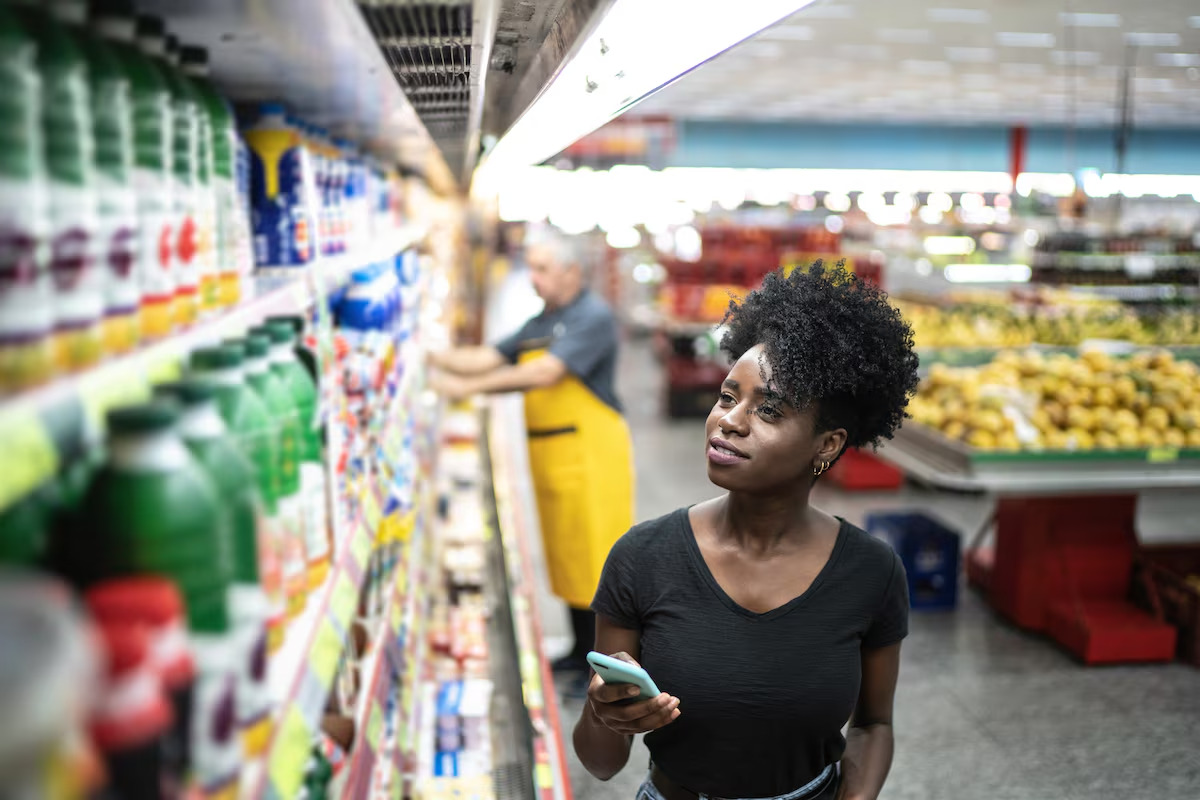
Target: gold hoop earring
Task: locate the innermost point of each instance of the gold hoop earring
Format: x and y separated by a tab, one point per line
821	470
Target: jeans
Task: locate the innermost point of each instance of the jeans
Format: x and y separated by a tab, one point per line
648	791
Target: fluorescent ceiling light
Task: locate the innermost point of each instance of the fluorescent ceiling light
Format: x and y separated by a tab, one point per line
988	273
1177	59
968	16
866	52
828	11
1079	58
1154	39
1154	84
1084	20
788	33
922	67
1021	70
905	35
1021	39
971	55
637	48
1194	22
949	245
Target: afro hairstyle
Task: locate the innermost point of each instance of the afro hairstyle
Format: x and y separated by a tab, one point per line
834	344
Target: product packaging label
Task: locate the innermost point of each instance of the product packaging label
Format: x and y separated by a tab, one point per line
216	746
155	253
75	259
26	314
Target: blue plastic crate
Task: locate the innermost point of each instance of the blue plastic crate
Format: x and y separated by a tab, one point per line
931	554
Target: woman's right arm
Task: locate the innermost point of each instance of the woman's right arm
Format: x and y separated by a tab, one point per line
605	731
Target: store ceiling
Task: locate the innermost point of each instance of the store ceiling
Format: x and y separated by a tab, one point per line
957	61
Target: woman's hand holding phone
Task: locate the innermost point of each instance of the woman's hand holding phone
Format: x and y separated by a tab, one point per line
610	705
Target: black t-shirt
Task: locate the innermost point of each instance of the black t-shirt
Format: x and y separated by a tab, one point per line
763	696
583	334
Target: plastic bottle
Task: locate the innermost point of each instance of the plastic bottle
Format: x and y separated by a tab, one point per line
68	145
112	129
205	190
303	390
185	139
222	148
280	180
155	605
283	410
363	308
132	718
153	181
152	510
26	315
208	438
256	434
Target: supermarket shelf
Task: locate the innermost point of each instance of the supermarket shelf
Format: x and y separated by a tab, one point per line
1118	262
369	747
680	328
38	427
517	522
301	674
318	57
929	457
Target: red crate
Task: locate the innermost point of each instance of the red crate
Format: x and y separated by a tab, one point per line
1111	632
857	471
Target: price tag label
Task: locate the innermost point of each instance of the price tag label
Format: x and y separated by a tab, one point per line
360	546
30	458
1162	455
544	775
372	514
290	754
344	600
325	652
165	366
375	725
397	617
113	387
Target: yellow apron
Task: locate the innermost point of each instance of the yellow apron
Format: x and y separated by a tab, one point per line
581	459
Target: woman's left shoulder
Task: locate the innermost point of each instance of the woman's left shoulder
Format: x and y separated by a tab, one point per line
869	554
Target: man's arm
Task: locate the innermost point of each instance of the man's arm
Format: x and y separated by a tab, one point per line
468	360
537	373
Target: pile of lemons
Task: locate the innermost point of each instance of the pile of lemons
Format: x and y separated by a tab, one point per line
1027	401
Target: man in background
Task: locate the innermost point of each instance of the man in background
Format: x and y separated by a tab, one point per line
580	453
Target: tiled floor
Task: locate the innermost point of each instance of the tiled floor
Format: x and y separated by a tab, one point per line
983	711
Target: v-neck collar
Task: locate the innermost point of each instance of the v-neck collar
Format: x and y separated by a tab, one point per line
693	547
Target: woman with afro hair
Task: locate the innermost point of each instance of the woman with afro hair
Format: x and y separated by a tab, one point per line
768	623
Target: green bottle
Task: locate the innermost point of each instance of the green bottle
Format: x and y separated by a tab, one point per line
255	433
295	378
67	138
25	530
208	438
112	130
214	116
26	311
223	147
152	509
185	138
291	513
153	135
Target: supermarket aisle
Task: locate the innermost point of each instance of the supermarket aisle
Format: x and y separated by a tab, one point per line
983	710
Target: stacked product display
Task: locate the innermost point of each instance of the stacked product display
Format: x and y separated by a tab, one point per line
241	553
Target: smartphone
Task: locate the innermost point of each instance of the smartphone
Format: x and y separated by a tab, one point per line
615	671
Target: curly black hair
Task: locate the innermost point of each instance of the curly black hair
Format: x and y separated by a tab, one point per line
834	343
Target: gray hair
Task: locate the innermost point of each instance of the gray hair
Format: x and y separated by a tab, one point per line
567	251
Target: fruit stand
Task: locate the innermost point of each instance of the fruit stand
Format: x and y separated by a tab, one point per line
1064	535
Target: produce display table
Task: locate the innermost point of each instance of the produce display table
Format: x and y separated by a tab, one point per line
1064	535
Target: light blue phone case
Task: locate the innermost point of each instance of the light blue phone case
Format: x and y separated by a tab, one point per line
615	671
